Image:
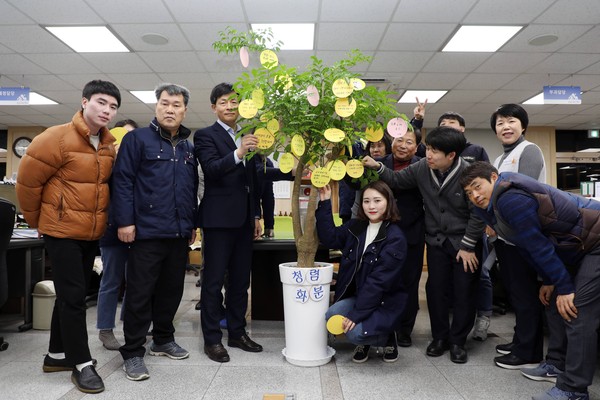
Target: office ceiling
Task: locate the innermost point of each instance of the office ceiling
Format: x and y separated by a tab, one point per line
405	38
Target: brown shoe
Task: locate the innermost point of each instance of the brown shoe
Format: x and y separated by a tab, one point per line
246	344
216	352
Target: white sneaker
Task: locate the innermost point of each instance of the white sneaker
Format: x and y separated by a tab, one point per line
480	331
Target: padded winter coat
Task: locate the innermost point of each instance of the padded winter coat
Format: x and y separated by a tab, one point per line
62	182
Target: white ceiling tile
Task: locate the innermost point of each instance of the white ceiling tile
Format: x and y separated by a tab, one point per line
485	81
534	81
117	62
511	62
79	80
332	56
62	63
428	11
385	61
579	12
463	96
358	10
132	35
566	35
172	62
131	11
31	39
135	81
206	10
438	81
455	62
587	82
299	59
12	16
269	11
564	63
58	12
508	96
505	12
344	36
191	80
587	43
42	82
416	36
13	64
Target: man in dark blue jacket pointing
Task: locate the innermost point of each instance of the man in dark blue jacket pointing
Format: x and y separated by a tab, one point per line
155	184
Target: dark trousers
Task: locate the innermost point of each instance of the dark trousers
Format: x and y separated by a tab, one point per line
226	250
155	277
72	262
521	283
582	332
411	275
448	284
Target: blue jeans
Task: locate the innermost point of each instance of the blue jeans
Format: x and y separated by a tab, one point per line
114	261
355	336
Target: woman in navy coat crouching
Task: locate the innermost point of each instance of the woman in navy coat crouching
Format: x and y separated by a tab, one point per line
369	293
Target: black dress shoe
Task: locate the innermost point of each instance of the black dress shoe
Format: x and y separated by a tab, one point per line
246	344
217	352
437	347
198	306
58	365
458	354
404	340
88	380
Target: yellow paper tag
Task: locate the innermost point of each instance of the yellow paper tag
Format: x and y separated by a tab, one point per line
320	177
334	135
268	57
334	324
337	169
374	135
247	108
118	133
298	145
354	168
358	84
341	88
344	108
258	96
265	138
273	126
286	162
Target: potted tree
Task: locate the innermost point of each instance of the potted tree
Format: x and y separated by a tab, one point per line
308	120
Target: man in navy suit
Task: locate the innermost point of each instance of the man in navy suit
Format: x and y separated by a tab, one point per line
230	218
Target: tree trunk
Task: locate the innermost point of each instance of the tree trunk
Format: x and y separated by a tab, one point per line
305	236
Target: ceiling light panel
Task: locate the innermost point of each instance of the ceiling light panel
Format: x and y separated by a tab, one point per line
478	38
88	39
431	96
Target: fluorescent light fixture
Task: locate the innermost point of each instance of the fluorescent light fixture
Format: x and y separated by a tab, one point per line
432	96
476	38
293	36
88	39
146	96
37	99
537	99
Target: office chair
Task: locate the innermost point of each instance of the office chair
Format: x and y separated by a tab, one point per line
7	222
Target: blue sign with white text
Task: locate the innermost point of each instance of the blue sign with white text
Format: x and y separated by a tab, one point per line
562	94
11	96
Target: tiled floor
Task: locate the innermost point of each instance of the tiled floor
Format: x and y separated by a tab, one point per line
250	376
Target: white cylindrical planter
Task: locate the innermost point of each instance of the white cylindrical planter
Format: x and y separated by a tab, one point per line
305	302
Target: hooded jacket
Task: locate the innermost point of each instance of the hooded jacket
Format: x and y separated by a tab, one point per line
62	182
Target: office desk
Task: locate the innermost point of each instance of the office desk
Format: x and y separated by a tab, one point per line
267	293
20	254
